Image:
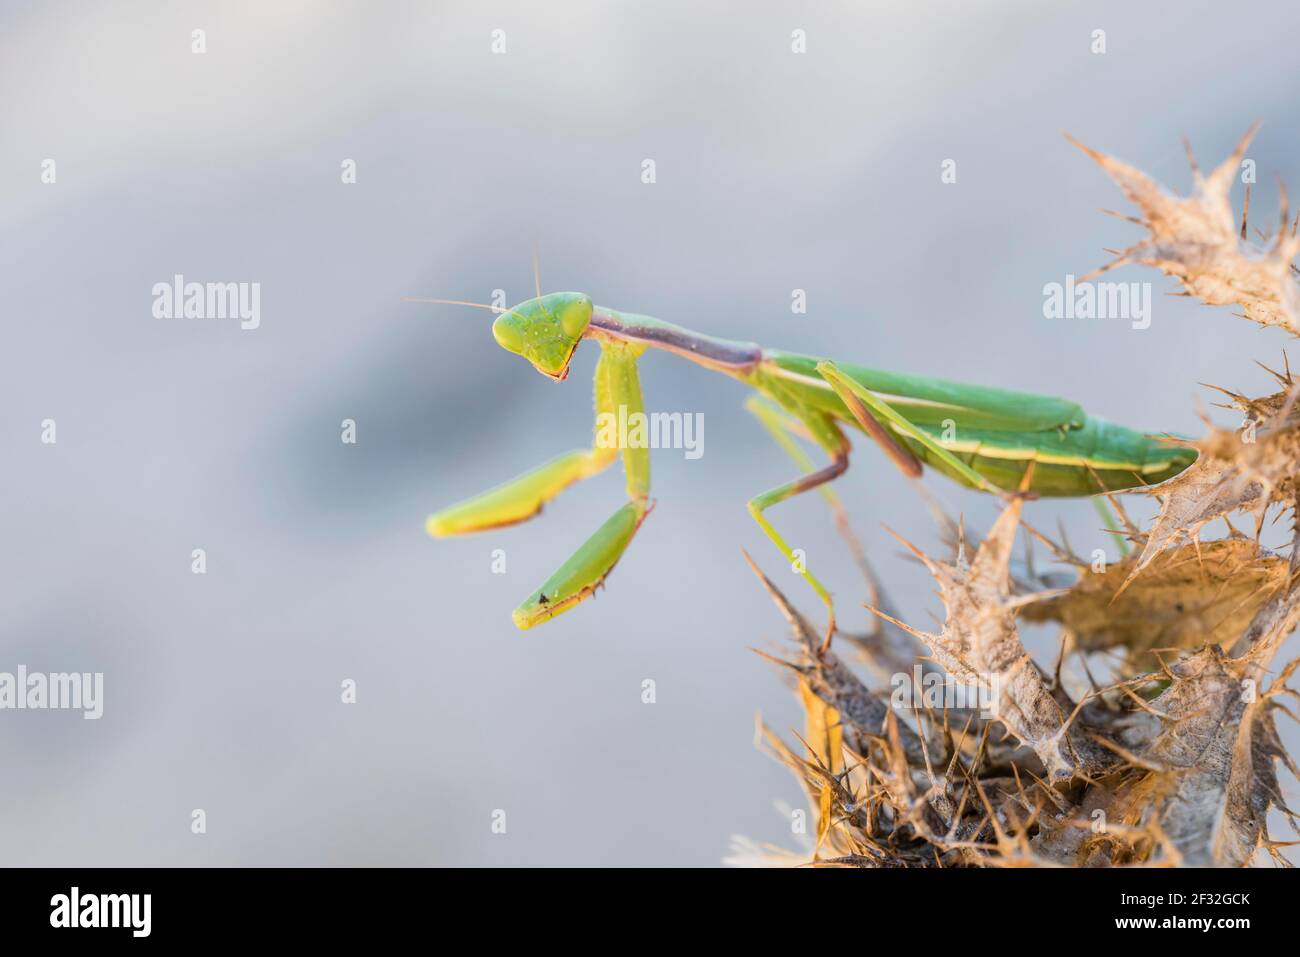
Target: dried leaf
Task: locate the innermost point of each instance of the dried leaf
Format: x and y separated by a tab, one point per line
1197	594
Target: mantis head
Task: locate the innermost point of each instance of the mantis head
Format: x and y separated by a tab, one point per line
545	330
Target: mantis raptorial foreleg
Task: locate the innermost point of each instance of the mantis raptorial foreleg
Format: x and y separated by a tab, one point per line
618	400
520	499
829	436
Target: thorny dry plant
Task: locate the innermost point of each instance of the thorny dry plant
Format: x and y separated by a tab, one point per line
1196	240
1173	762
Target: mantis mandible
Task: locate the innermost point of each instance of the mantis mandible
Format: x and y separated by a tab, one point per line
991	439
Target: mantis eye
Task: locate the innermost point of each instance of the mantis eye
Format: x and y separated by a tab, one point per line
574	317
507	334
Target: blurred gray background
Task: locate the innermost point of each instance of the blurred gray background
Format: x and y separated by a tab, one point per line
775	171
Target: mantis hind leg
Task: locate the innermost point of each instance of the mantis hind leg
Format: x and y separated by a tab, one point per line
829	436
872	413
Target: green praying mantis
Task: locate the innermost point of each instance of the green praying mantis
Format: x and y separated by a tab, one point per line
991	439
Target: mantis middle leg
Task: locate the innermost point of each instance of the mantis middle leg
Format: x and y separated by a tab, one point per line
784	428
874	415
827	434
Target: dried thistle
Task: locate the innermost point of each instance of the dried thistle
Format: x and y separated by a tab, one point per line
1184	774
1249	469
1196	240
1175	761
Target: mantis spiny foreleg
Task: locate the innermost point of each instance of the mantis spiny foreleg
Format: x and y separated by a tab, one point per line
521	498
618	399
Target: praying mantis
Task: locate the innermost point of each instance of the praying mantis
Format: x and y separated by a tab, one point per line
991	439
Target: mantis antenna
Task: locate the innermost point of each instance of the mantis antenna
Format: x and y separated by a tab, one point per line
537	284
454	302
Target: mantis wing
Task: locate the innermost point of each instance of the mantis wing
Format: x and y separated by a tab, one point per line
927	401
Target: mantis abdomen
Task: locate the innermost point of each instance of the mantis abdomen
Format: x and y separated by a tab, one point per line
1098	456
